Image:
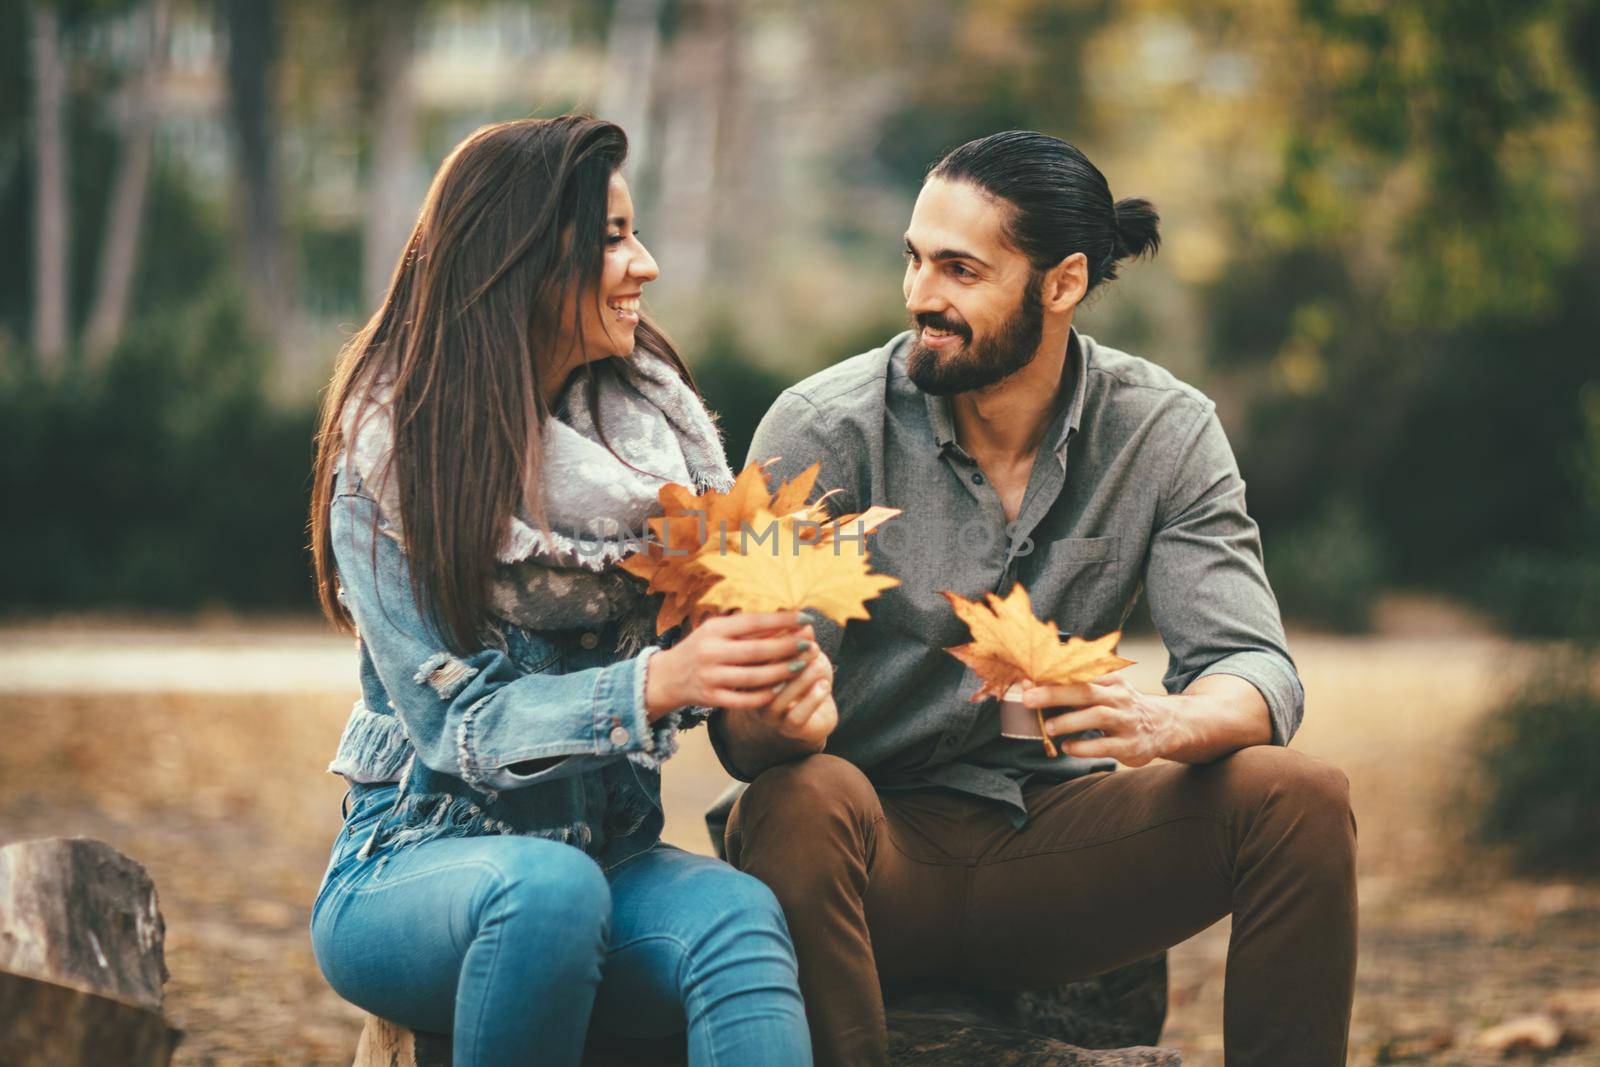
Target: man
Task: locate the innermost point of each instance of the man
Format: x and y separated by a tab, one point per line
923	848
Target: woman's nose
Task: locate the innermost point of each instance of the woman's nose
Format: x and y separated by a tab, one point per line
644	266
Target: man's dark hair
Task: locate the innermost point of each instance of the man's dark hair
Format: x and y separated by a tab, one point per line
1060	201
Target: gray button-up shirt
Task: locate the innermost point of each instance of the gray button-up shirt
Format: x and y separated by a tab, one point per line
1134	487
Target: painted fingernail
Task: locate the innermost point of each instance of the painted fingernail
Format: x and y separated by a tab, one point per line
802	645
820	687
807	619
796	666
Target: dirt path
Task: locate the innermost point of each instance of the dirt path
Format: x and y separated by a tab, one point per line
223	797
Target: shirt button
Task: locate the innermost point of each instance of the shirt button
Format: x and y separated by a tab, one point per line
950	741
619	736
977	477
589	640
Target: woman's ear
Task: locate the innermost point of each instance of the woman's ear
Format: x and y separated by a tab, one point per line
1066	283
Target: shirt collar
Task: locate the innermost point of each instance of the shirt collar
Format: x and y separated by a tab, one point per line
1063	424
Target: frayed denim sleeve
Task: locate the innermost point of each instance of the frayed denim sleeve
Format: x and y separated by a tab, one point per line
478	717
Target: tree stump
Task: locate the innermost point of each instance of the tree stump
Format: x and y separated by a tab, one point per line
81	965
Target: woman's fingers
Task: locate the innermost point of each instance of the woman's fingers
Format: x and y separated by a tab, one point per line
750	623
738	699
764	676
766	649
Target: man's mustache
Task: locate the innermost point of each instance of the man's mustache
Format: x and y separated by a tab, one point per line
933	320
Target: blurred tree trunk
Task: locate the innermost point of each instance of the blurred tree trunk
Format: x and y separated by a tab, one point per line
252	30
389	48
119	251
633	45
702	93
51	233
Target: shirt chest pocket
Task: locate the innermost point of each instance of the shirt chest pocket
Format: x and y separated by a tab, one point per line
1078	583
1085	550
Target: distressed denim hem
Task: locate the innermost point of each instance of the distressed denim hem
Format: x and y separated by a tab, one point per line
373	747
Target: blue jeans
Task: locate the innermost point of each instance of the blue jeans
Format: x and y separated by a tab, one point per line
518	945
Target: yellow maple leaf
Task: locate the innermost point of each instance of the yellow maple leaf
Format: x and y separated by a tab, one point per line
692	526
774	569
1010	645
791	495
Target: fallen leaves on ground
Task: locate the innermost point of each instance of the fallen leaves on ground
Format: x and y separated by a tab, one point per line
694	530
1539	1032
1011	645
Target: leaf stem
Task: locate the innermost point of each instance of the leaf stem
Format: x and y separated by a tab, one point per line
1049	745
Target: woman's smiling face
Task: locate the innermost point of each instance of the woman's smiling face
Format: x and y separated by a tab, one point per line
610	314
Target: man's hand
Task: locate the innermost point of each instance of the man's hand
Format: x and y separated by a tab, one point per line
803	710
791	722
1137	727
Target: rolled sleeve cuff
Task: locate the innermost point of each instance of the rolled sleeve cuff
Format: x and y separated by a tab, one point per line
622	722
619	725
1278	684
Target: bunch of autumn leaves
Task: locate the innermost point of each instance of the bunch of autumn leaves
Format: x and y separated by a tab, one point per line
751	549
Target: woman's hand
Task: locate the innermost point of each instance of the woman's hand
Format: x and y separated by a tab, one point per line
803	710
730	661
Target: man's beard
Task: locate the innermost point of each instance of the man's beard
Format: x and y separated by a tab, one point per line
992	359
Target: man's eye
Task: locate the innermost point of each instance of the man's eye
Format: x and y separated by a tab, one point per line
910	256
960	272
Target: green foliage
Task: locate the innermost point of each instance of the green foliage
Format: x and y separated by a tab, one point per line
1537	757
1430	111
1330	570
977	68
168	481
1543	594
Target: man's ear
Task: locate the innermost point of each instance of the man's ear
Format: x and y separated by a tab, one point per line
1066	283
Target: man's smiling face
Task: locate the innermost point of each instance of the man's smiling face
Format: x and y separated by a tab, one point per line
973	298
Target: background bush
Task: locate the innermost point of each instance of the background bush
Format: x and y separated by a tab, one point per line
168	481
1538	760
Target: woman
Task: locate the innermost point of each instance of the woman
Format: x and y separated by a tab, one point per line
493	441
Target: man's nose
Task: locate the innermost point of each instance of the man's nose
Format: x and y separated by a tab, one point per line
922	296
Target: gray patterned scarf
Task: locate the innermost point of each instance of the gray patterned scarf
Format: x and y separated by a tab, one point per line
596	498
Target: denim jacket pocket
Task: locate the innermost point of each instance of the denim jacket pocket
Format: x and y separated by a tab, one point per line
532	653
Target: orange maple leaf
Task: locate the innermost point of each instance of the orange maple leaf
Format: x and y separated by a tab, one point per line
1010	645
774	569
692	527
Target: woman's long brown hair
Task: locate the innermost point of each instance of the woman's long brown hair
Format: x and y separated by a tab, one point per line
510	237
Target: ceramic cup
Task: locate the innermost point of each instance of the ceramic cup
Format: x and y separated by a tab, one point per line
1016	718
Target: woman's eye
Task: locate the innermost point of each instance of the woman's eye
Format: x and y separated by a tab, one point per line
613	238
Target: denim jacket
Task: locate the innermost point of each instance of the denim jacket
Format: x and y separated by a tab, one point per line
539	732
